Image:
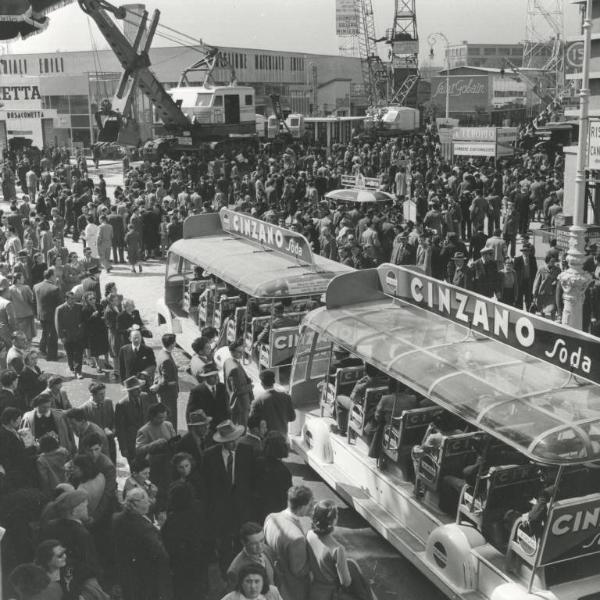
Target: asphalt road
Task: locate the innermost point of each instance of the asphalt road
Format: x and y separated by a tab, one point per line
391	575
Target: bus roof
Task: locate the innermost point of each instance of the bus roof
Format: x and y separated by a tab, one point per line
524	380
260	259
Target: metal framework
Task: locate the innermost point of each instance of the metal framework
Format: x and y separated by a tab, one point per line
544	44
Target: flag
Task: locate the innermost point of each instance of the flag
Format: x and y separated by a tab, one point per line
22	18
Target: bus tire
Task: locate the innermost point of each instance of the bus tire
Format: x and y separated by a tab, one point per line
448	550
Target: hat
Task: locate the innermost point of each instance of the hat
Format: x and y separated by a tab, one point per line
486	250
459	256
208	370
67	501
22	254
198	417
526	247
42	398
227	431
132	383
93	270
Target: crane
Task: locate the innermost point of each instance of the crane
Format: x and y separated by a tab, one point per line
191	114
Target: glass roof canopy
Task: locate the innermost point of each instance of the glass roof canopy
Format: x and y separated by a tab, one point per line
539	409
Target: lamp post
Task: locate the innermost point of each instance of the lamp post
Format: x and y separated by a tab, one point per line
574	281
431	40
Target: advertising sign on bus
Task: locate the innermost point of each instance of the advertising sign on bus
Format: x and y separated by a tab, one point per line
572	350
573	529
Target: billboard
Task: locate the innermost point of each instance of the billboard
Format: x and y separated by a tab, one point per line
347	20
468	93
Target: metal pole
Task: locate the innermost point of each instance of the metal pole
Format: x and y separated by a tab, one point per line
574	281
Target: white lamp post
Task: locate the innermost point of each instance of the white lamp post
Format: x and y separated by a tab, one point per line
574	280
431	40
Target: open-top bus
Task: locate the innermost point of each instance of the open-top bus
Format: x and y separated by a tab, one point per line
240	275
484	471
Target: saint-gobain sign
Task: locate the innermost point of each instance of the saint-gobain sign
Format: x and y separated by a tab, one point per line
573	529
467	93
572	350
279	239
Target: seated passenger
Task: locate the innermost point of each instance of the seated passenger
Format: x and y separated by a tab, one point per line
343	404
342	359
393	404
279	320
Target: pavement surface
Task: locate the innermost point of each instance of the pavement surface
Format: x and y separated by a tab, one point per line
390	574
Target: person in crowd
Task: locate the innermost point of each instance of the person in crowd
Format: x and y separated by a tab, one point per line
256	430
51	462
95	333
209	396
253	584
80	426
31	582
143	566
21	297
330	568
198	438
15	357
133	242
110	314
202	355
238	384
525	267
99	410
285	537
91	283
544	288
273	478
47	299
166	377
69	327
43	418
8	388
272	405
56	395
136	358
51	556
17	465
228	473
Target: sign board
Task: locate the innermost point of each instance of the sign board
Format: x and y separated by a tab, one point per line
574	55
573	529
282	343
467	93
360	182
561	346
474	148
594	144
266	235
347	19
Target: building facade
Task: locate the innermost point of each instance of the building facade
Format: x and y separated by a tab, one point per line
484	55
72	85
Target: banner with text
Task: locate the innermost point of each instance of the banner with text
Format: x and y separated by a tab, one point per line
467	93
347	20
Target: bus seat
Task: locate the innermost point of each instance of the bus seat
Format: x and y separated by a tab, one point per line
358	414
343	382
454	454
404	432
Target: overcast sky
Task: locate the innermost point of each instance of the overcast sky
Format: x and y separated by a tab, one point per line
293	25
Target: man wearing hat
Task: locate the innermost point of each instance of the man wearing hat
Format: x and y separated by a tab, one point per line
209	395
23	266
228	469
403	253
461	274
238	384
131	413
92	283
198	438
486	278
69	326
525	267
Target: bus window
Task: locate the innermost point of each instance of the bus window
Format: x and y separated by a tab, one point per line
203	99
173	272
248	99
218	101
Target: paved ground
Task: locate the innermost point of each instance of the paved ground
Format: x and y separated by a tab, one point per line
391	575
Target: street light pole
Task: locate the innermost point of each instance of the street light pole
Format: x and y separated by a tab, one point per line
431	40
574	281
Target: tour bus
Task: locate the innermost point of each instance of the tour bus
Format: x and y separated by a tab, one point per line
483	466
240	275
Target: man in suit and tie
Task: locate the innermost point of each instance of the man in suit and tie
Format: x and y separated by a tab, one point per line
228	470
69	326
526	269
166	377
131	413
209	395
198	439
286	538
47	299
238	384
136	357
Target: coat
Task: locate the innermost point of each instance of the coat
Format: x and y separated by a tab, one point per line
201	398
141	558
229	506
132	364
92	284
522	285
275	408
286	539
17	460
130	415
29	385
237	382
65	435
166	377
47	298
69	323
105	236
116	222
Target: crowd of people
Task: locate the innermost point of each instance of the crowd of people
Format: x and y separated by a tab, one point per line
214	489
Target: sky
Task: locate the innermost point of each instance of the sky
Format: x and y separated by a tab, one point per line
300	26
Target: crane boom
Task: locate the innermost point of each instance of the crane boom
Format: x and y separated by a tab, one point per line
135	62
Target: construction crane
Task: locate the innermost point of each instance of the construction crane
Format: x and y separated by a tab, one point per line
374	72
191	114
